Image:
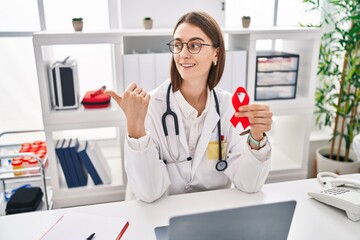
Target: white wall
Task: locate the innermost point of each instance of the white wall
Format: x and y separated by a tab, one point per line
165	13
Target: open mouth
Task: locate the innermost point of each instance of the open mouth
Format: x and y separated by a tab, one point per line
187	65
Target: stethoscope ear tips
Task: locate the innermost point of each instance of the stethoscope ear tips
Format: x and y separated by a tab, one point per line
189	158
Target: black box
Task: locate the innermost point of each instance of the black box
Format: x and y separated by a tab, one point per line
276	75
64	85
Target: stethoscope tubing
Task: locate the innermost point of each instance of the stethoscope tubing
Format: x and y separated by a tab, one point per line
221	164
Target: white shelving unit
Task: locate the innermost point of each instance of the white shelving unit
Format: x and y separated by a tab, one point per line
291	129
292	117
82	123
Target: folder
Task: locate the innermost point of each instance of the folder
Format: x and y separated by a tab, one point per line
78	165
239	67
147	71
162	67
85	159
64	166
70	163
131	69
98	160
234	74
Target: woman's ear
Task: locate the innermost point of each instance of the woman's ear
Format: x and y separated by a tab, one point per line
216	54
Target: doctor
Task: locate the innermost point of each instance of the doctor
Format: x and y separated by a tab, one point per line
175	137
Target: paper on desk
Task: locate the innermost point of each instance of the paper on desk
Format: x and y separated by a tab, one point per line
75	226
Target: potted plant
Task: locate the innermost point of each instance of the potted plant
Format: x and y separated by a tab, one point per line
337	98
77	24
246	21
148	23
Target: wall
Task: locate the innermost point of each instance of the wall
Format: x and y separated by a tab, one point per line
165	13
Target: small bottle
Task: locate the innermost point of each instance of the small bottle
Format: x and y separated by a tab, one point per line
33	163
25	162
17	164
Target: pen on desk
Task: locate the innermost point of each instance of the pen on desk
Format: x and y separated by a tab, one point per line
91	236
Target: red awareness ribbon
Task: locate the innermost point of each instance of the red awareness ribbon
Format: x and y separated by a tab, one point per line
236	103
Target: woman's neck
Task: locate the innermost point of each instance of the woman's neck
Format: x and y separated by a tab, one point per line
195	94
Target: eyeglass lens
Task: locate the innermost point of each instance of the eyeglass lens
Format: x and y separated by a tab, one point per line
176	46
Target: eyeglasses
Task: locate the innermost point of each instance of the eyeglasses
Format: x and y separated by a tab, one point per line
193	47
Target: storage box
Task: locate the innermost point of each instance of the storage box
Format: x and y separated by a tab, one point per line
276	75
64	85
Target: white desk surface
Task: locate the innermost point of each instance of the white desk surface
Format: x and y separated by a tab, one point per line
312	219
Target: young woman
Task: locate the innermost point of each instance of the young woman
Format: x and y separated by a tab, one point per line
181	139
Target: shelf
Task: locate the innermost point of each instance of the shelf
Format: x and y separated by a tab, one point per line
41	207
90	194
83	118
63	38
292	117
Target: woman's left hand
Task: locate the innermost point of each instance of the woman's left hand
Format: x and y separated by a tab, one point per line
260	118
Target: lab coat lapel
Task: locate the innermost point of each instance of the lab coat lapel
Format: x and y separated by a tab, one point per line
211	120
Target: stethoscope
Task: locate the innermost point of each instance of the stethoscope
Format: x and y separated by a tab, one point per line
221	165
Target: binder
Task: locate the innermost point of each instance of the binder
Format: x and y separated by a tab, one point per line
70	163
85	159
234	74
226	78
162	67
147	71
79	167
99	162
239	67
131	69
60	154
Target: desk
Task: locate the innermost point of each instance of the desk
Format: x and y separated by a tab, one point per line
312	219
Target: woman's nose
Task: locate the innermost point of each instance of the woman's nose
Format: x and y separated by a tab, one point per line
184	53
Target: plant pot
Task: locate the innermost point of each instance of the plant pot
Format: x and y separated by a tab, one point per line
246	22
148	24
78	25
325	164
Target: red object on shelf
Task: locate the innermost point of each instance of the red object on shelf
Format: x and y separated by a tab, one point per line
96	99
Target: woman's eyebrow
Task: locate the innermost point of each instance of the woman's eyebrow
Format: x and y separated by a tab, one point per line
191	39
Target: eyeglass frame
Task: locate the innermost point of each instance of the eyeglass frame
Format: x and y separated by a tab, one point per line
187	45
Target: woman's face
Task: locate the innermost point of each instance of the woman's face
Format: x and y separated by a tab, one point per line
194	67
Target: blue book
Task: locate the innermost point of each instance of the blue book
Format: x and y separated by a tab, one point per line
60	154
84	157
70	163
78	165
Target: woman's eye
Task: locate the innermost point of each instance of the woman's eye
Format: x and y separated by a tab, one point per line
177	45
194	45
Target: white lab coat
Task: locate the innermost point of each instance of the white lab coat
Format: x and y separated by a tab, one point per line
150	178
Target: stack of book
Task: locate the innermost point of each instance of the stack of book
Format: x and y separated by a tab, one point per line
80	159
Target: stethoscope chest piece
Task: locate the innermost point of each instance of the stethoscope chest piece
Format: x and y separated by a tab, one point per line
221	165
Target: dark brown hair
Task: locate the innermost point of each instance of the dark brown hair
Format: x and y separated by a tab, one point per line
211	28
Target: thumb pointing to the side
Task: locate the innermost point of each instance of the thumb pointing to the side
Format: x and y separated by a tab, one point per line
114	95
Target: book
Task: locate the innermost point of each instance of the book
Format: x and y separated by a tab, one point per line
69	162
73	225
83	156
78	165
60	154
98	160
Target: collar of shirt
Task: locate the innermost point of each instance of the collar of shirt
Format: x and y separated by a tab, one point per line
193	124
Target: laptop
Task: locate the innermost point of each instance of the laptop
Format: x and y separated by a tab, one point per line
259	222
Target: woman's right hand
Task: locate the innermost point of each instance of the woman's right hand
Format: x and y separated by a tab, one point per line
134	103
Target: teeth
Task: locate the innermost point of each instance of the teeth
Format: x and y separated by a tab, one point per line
187	65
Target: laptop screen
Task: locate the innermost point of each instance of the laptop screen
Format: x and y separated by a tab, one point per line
258	222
